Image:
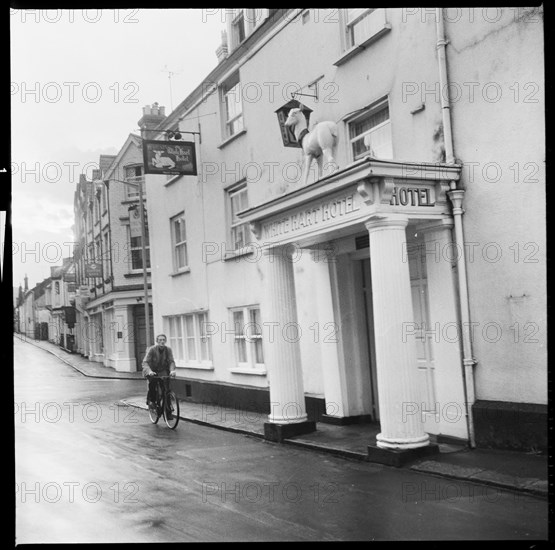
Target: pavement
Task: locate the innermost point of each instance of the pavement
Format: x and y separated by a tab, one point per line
510	470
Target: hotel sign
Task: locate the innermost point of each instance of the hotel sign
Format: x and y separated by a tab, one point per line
344	201
93	270
411	196
313	217
170	157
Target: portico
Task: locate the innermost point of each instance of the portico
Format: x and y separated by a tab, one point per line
369	237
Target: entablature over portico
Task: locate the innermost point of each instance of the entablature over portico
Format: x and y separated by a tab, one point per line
349	196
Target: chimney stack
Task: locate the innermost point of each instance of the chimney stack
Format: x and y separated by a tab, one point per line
152	117
26	279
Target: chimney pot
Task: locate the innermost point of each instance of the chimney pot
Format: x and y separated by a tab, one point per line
152	117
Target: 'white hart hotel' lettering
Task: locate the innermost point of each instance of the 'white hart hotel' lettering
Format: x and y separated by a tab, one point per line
322	213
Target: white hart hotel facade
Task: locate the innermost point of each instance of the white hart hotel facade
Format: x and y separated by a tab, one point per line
404	286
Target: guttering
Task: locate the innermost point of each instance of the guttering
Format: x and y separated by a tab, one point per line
456	196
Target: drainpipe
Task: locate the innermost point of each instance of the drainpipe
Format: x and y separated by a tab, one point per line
444	88
456	196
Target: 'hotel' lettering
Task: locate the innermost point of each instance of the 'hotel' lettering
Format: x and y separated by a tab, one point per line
410	196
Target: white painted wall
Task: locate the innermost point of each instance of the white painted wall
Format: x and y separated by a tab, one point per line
403	65
501	145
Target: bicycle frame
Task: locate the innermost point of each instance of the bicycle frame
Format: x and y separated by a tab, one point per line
165	399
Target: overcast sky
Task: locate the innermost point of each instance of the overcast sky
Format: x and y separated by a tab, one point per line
79	80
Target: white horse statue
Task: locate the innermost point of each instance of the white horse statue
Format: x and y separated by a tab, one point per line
320	143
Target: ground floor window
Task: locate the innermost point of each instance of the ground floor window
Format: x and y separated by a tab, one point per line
247	340
189	340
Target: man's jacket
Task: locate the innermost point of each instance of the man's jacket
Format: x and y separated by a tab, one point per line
158	360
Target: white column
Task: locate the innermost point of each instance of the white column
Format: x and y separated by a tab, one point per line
334	383
395	353
283	358
441	255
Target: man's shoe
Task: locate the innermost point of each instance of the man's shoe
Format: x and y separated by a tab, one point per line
169	415
151	404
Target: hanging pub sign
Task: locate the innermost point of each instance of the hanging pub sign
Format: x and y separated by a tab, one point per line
287	135
93	269
170	157
69	276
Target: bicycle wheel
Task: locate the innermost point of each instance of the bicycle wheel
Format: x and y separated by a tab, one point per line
154	412
171	405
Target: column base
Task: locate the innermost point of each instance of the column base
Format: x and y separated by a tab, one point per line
402	443
279	432
398	458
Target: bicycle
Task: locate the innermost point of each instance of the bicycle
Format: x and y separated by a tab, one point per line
165	401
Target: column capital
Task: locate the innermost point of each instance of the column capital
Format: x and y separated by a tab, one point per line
386	221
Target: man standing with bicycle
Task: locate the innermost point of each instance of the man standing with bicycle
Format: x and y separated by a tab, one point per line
158	361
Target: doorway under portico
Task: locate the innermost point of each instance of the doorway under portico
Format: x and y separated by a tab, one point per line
373	280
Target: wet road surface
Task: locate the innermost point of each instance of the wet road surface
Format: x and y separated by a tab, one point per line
90	469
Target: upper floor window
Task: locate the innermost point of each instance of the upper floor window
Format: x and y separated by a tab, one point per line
233	105
237	27
134	175
57	287
242	22
357	25
370	133
239	230
179	242
136	249
359	28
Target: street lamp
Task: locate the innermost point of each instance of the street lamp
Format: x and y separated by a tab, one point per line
143	251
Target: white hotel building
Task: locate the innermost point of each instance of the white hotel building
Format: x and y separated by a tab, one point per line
408	286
